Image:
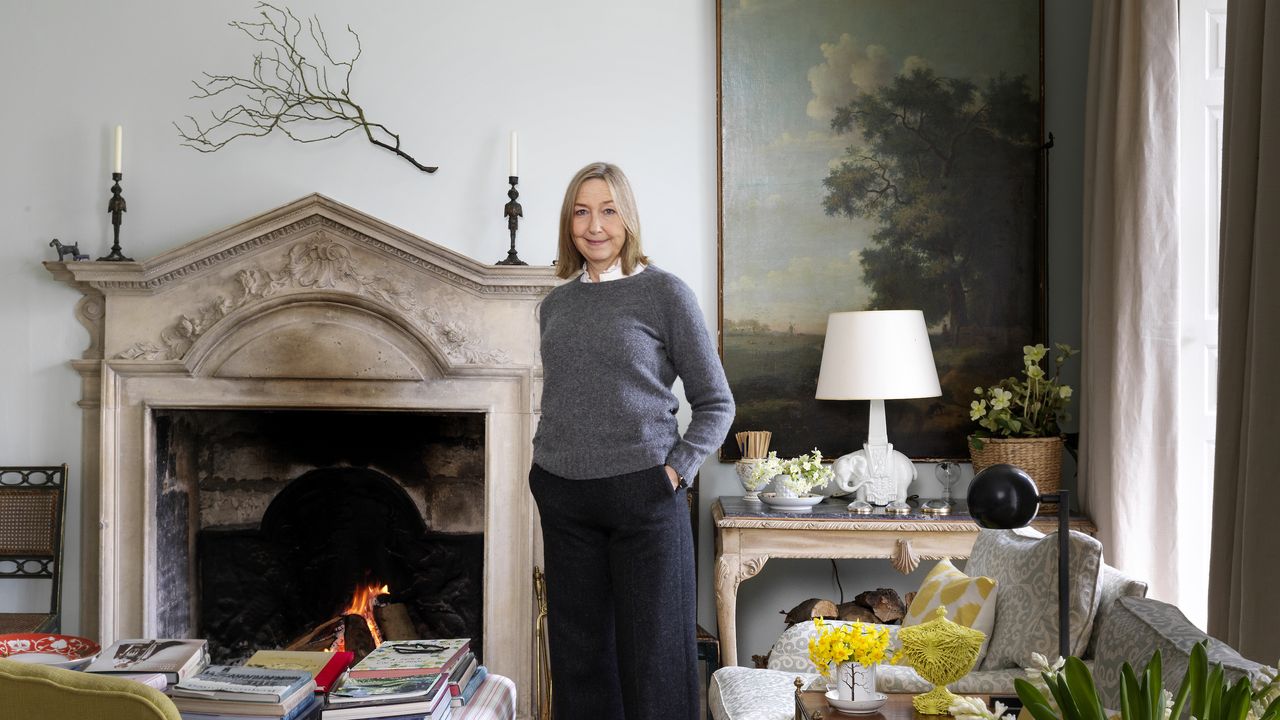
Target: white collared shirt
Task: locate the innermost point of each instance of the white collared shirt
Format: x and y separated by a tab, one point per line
613	272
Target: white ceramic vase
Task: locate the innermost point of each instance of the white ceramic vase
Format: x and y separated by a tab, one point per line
782	490
855	682
745	468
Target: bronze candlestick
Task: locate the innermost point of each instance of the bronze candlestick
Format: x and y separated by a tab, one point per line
116	206
514	212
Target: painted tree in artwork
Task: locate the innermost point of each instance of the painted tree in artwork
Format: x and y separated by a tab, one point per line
946	170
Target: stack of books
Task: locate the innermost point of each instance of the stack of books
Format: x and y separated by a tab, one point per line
404	680
176	660
225	692
465	679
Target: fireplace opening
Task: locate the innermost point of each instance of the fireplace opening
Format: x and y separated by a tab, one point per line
280	521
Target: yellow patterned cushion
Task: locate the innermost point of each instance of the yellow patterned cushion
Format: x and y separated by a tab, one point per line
970	601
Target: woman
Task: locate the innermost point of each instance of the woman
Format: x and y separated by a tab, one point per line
610	467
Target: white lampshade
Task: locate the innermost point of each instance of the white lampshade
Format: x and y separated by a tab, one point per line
877	355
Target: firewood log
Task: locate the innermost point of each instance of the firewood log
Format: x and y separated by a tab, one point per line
809	609
394	622
358	638
852	611
321	638
884	603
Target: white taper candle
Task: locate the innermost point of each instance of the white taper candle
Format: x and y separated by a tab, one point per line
515	165
119	146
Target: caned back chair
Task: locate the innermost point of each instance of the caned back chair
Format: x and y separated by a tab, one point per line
32	508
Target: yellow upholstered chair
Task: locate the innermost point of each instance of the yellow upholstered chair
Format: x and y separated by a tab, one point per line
38	692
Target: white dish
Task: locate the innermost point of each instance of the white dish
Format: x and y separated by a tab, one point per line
856	707
53	660
798	504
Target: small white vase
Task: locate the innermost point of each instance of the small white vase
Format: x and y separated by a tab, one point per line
780	489
745	468
855	682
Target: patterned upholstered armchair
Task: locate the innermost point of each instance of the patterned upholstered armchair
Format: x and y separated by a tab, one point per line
1111	620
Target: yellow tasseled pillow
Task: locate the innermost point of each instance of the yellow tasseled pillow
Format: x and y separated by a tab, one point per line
970	601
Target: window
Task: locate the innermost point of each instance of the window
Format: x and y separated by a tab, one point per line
1203	35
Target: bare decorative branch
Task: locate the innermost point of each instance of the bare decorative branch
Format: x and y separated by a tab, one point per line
286	91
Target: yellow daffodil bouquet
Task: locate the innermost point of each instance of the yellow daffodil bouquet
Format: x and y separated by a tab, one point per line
863	643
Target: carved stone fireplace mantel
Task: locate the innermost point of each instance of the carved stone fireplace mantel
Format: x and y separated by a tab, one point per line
313	305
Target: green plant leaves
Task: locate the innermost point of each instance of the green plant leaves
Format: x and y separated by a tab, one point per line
1033	700
1079	681
1130	694
1203	693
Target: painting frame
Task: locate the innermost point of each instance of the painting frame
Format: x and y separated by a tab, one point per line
771	363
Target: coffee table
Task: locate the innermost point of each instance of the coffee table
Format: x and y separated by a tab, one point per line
812	705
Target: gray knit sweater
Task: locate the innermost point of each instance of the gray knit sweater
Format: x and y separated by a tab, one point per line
610	353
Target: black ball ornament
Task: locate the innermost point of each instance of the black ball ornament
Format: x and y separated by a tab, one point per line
1003	496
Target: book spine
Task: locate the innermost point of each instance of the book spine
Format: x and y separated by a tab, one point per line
460	679
470	690
305	709
392	673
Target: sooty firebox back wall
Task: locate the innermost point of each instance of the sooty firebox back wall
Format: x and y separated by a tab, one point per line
285	512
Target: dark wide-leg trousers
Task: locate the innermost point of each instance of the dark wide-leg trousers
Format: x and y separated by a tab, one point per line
621	596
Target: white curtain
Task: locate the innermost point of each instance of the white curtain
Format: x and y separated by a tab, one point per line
1129	381
1244	586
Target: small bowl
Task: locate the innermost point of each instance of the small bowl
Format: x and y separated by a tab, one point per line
64	651
856	707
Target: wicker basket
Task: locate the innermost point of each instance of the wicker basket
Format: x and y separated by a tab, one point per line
1041	458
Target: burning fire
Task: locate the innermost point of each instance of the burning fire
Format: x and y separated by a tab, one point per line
362	604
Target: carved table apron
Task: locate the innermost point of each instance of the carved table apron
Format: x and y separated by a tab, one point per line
749	533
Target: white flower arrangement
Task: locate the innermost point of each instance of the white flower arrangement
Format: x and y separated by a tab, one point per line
799	475
764	471
972	708
805	473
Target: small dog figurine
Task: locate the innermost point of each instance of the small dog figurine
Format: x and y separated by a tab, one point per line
64	250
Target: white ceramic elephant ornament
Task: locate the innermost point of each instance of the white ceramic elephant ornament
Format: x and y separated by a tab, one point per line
852	474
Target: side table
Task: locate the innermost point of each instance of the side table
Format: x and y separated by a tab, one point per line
749	533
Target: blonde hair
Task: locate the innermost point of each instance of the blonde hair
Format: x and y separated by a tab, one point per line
568	260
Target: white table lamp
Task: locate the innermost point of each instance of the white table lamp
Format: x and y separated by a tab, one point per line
877	355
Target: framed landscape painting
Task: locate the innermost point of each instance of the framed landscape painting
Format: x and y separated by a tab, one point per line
877	155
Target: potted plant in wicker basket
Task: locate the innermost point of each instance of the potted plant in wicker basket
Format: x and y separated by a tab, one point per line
1019	419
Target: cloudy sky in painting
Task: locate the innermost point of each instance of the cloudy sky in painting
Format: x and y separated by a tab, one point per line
786	66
